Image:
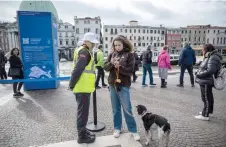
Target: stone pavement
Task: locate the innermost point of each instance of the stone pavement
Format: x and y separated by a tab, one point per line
48	116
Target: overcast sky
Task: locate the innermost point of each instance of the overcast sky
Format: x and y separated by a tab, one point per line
170	13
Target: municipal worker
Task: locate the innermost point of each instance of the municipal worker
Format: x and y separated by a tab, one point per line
82	83
99	59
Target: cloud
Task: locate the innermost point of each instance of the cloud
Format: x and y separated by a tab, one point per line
173	13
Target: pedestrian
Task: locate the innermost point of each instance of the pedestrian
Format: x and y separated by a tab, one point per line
136	66
163	65
209	67
146	59
186	61
82	83
120	64
16	71
3	61
99	60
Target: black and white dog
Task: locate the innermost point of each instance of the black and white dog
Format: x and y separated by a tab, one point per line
150	120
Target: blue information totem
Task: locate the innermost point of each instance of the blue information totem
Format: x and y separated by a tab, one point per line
39	52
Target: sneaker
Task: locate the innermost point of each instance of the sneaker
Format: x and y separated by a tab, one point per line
104	85
16	95
202	117
98	87
193	85
144	85
116	133
180	85
210	114
152	84
86	139
163	86
136	136
20	94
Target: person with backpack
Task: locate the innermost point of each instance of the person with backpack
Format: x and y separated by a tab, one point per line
146	59
3	61
208	69
99	61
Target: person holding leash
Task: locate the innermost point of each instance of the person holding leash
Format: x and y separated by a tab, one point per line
120	64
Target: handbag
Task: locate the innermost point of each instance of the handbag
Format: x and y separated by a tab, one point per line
14	72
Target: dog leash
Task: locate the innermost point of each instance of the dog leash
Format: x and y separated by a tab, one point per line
116	90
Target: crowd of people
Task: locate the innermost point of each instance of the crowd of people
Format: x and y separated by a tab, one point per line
122	64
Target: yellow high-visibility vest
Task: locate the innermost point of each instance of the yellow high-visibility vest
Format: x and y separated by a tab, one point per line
86	82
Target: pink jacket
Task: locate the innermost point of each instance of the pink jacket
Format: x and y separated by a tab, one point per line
164	60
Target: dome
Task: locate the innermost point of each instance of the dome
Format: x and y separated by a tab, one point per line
41	6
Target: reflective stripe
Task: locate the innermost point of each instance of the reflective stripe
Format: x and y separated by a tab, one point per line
89	71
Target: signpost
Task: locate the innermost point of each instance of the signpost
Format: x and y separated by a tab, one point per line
39	52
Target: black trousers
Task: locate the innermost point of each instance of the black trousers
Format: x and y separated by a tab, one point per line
100	74
17	86
134	76
83	102
3	74
207	98
190	71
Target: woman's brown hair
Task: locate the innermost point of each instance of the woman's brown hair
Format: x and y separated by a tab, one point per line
127	46
208	48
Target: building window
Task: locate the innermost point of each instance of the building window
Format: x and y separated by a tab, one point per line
76	22
73	42
77	30
151	31
185	31
134	37
85	30
143	31
66	27
207	40
139	44
143	37
190	31
111	31
217	40
106	45
106	30
154	38
139	31
163	32
85	22
158	32
218	31
96	22
182	32
125	30
154	31
208	31
182	39
224	40
214	31
111	39
162	44
151	38
134	30
147	31
116	32
189	39
204	32
130	37
121	30
154	44
130	30
97	31
66	34
147	38
195	38
60	34
199	39
134	44
213	40
199	32
106	39
195	32
60	42
185	39
143	44
66	42
221	40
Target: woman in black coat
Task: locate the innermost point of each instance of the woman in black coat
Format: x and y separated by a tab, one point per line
16	71
209	67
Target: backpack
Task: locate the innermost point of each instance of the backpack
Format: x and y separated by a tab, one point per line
220	80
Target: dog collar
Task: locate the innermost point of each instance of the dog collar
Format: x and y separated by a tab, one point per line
142	115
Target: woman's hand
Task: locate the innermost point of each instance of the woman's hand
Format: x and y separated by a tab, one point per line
117	65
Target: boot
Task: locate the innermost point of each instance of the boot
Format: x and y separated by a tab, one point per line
85	138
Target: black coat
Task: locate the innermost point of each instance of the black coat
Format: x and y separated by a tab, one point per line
137	62
209	67
146	57
15	62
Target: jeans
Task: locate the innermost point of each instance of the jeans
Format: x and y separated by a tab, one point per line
83	102
100	74
207	98
124	95
17	85
147	68
190	71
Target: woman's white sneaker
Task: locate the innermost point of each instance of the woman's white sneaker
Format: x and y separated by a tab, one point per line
210	115
136	136
202	117
116	133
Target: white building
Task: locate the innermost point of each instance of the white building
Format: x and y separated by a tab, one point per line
87	24
4	44
140	36
66	35
217	36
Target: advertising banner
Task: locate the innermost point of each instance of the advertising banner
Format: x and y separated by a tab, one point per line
39	52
